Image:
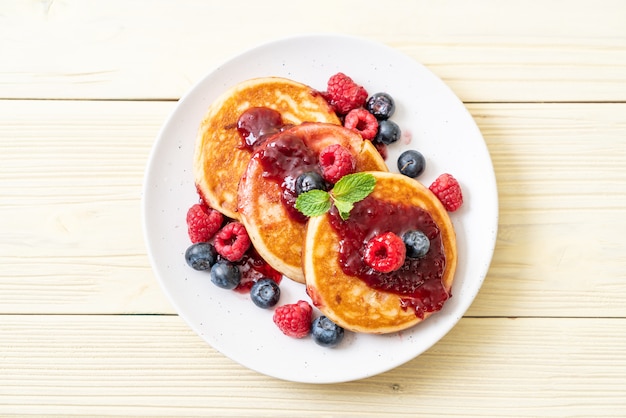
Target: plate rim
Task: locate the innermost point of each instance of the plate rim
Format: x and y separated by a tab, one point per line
194	90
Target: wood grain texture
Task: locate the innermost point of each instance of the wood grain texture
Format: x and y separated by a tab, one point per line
71	216
561	182
70	179
155	366
485	50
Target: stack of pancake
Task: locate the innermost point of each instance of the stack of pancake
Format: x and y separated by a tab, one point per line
230	178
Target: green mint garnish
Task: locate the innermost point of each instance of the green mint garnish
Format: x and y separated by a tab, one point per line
354	187
347	191
313	202
344	208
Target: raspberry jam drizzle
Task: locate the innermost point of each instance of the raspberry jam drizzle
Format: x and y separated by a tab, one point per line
257	124
252	268
283	159
419	281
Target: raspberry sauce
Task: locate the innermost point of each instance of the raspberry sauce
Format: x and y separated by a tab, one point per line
284	159
256	124
418	281
252	268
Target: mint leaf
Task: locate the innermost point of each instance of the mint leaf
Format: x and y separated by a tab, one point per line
344	208
313	202
347	191
354	187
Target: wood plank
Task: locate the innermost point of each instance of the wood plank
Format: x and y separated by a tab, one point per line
562	209
70	179
485	50
71	219
154	366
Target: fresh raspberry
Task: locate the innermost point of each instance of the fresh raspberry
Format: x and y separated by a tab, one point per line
336	161
385	252
294	319
363	122
343	94
232	241
203	222
448	191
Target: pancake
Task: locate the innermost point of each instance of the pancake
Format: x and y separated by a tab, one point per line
355	303
276	231
220	157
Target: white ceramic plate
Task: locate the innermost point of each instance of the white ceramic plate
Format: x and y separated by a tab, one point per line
434	121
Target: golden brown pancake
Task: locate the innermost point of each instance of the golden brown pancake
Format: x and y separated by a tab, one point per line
346	298
220	159
275	234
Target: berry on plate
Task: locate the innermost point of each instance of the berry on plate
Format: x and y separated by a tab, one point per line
336	161
362	122
294	319
448	191
411	163
344	94
225	275
388	132
232	241
325	332
385	252
203	222
201	256
381	105
265	293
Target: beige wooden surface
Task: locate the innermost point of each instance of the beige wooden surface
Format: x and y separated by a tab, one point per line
85	328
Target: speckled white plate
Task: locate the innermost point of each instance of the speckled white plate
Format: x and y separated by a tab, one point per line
434	121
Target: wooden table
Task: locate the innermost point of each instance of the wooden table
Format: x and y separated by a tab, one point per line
85	328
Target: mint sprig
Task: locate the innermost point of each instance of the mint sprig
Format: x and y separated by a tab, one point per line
314	202
348	190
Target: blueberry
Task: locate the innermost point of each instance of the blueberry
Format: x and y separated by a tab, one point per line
381	105
225	275
411	163
201	256
265	293
416	243
309	181
325	332
388	132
